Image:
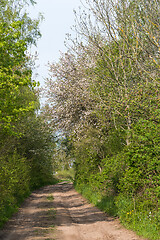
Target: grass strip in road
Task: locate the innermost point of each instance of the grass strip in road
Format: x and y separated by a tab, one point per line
50	198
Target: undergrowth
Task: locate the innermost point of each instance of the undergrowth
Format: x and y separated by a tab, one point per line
16	184
142	221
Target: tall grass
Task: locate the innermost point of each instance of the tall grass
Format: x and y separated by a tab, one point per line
142	221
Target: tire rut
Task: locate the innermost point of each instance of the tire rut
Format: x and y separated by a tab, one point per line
68	216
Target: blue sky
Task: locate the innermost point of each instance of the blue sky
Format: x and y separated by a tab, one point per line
59	18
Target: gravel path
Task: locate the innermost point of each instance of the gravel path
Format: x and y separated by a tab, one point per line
58	212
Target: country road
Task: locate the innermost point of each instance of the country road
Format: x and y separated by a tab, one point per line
58	212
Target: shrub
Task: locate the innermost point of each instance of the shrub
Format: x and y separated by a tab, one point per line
14	184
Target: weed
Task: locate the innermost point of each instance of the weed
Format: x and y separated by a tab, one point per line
49	239
40	231
134	216
50	198
142	221
107	204
51	212
52	226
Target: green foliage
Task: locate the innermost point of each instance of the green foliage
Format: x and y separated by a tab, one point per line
25	140
62	153
17	32
26	168
65	174
37	145
128	183
50	198
108	205
104	93
14	184
141	176
135	216
98	198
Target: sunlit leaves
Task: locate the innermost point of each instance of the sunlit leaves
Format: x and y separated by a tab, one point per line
17	32
104	93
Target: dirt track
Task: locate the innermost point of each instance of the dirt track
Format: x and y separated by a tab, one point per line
66	217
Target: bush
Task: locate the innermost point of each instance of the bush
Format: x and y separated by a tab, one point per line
128	183
142	174
14	184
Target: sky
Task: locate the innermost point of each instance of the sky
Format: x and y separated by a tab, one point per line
59	17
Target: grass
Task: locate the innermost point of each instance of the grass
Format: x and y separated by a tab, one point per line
52	212
104	203
50	198
65	175
10	206
107	204
49	239
143	222
52	226
41	231
142	225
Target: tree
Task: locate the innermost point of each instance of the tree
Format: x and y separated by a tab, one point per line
103	89
25	141
17	32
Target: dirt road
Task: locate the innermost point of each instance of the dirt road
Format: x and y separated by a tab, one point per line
58	212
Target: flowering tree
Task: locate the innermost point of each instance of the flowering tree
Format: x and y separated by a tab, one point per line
106	76
104	92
